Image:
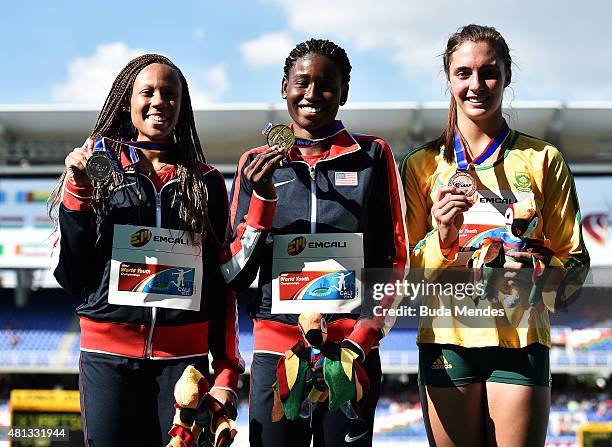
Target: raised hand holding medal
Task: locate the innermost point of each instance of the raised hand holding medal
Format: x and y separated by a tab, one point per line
75	165
104	167
261	168
99	166
280	136
453	200
280	139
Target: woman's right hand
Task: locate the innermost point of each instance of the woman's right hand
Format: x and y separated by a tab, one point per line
448	211
259	172
75	164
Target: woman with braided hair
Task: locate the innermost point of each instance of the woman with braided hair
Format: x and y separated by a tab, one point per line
132	353
333	187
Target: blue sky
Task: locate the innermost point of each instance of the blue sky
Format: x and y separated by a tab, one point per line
233	51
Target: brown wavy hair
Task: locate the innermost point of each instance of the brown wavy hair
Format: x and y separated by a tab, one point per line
469	33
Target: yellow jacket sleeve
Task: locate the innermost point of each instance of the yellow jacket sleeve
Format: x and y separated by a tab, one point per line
562	225
416	172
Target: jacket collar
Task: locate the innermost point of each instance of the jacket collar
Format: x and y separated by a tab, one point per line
124	159
341	144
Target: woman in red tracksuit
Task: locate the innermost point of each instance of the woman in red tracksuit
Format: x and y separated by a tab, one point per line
332	183
132	355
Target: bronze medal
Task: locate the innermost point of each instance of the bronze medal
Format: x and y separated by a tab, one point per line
99	167
281	136
464	181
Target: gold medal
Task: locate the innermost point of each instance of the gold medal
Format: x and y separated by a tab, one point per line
281	136
463	181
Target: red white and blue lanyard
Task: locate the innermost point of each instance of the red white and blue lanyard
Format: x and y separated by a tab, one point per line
493	145
101	146
149	145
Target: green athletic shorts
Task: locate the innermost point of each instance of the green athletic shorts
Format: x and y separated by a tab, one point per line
453	366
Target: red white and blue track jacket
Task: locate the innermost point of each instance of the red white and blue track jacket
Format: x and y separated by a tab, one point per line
83	269
309	200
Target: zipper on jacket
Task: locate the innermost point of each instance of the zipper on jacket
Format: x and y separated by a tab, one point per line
313	190
149	345
313	200
158	217
158	209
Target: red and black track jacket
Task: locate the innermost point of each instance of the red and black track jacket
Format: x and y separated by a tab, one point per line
309	201
83	269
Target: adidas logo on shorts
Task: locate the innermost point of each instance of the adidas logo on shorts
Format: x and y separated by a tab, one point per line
441	363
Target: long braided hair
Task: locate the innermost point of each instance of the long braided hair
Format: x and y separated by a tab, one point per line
320	47
115	122
469	33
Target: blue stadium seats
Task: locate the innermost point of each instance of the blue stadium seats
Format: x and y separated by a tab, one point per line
39	334
31	335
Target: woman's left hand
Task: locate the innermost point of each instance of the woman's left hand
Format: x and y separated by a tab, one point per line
226	397
523	260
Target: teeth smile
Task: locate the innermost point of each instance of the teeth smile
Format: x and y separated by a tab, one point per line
481	99
157	118
310	109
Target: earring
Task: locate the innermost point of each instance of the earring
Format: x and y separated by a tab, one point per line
284	96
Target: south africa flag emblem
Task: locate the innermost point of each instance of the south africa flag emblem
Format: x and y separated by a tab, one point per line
522	181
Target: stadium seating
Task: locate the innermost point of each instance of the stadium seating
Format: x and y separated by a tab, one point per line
32	335
44	335
37	335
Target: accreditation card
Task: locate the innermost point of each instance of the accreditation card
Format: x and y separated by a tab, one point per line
320	271
155	267
486	218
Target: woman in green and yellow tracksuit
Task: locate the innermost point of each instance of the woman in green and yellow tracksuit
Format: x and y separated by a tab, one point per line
484	382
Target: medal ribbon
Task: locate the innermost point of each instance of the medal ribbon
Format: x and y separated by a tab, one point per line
335	130
493	145
304	142
266	129
150	145
101	146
